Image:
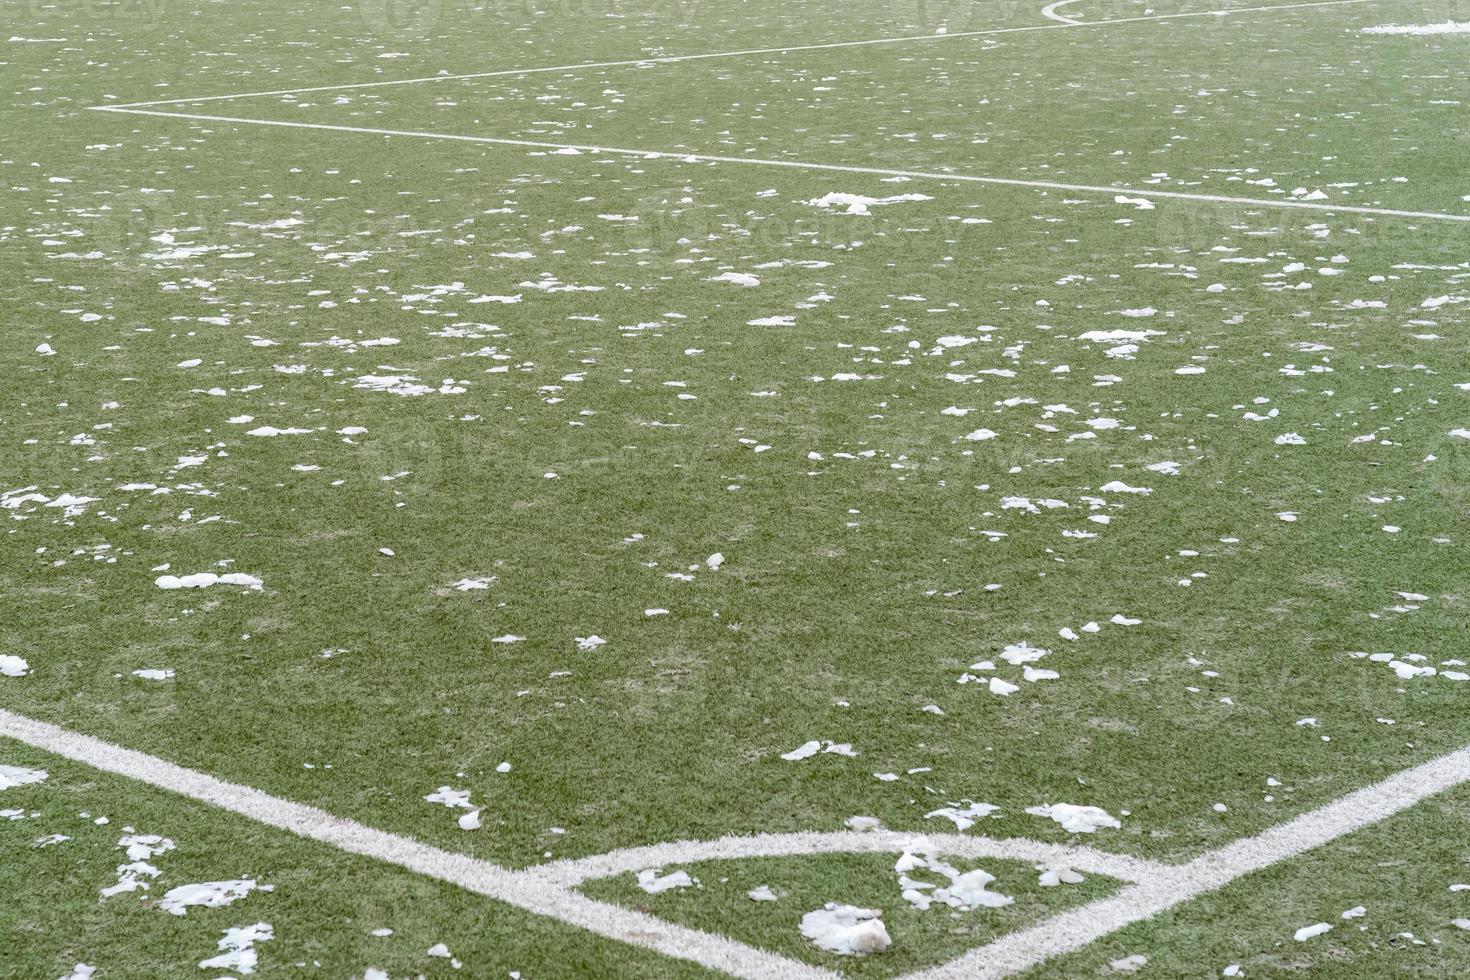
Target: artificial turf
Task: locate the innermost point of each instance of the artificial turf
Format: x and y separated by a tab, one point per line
582	452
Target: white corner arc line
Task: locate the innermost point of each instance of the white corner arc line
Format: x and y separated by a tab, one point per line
1050	12
1157	887
572	872
482	877
747	52
688	157
1071	930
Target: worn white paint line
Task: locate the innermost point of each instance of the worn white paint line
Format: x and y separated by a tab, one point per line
543	890
571	872
704	948
1074	929
743	53
514	888
1050	12
684	157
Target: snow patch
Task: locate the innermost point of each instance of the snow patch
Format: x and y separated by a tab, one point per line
859	204
846	929
17	776
652	882
1076	819
209	894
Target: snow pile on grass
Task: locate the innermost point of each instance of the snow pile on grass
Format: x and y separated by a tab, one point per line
652	882
1076	819
209	894
846	929
18	776
964	814
808	749
460	798
238	948
963	890
203	580
859	203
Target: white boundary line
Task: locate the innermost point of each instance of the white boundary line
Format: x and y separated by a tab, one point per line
1255	202
482	877
675	59
546	890
1075	928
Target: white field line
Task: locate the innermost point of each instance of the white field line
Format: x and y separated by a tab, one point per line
543	890
1021	950
519	889
1050	12
747	52
572	872
680	156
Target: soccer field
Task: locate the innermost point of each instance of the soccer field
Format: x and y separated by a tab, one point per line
665	488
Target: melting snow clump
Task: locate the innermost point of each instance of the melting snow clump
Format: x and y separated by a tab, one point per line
650	881
846	929
1076	819
209	894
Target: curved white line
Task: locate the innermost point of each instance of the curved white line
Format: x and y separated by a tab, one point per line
1159	887
571	872
1019	951
1050	12
679	58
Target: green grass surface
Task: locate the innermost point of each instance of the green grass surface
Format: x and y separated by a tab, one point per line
324	906
1399	872
720	903
862	533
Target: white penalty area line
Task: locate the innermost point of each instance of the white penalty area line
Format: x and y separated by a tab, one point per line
684	157
520	889
547	890
747	52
